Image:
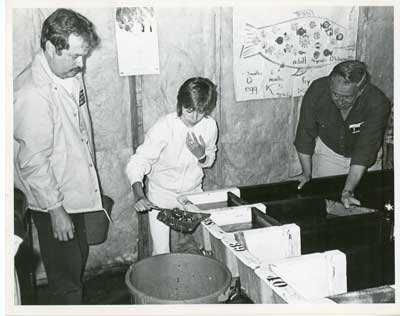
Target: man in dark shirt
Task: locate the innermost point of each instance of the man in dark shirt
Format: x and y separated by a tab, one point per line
342	121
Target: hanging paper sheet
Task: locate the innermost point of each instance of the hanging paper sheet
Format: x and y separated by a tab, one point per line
137	41
279	51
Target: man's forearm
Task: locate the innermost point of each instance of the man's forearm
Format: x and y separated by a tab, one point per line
353	178
306	163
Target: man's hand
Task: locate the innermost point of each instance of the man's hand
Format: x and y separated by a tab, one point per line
303	178
306	170
143	204
349	199
353	178
63	227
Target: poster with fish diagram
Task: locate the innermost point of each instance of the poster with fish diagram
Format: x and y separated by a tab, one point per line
137	41
279	51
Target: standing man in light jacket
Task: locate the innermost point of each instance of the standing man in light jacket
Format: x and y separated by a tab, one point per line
53	149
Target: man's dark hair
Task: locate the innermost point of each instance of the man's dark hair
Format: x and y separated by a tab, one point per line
61	24
197	93
353	71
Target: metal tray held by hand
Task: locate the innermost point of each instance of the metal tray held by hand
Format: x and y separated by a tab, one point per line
180	220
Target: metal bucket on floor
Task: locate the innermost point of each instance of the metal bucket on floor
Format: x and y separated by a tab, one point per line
178	278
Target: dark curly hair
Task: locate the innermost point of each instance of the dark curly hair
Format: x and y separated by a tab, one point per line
61	24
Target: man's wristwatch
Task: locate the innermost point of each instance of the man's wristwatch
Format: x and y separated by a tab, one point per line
348	192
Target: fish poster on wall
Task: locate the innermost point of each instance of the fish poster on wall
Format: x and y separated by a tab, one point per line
279	51
137	41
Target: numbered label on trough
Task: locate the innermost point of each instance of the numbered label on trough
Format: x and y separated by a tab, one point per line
276	281
237	246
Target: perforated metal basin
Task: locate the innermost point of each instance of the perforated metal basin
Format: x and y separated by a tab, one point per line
178	278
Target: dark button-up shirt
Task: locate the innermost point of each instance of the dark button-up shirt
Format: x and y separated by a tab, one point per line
359	136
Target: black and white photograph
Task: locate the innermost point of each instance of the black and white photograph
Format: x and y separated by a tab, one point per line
216	158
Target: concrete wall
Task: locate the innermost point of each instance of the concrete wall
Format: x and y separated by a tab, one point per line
375	45
256	136
255	142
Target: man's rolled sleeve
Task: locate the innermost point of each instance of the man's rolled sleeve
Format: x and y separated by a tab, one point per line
371	135
34	133
307	126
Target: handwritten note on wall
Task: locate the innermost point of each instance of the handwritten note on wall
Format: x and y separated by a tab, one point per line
137	41
279	51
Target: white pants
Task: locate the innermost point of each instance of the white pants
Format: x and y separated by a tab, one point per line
325	162
160	233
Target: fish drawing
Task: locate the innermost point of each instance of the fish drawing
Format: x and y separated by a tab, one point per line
304	42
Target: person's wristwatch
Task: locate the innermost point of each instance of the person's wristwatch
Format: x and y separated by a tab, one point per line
350	192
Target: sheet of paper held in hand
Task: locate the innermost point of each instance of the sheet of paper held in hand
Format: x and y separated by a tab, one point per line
338	209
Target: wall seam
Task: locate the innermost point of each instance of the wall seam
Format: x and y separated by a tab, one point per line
218	71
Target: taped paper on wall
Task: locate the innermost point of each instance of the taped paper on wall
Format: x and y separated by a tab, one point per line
279	51
137	41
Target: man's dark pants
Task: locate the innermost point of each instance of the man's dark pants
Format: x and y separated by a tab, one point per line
64	261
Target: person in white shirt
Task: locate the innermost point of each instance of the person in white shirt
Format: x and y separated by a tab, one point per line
174	152
54	159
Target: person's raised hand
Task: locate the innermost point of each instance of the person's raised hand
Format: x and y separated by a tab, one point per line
196	145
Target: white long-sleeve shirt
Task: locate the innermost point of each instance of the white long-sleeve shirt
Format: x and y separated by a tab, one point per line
166	160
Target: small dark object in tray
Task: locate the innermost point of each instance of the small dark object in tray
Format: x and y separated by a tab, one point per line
179	220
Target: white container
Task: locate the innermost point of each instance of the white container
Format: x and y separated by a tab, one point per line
308	278
208	200
264	246
212	232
